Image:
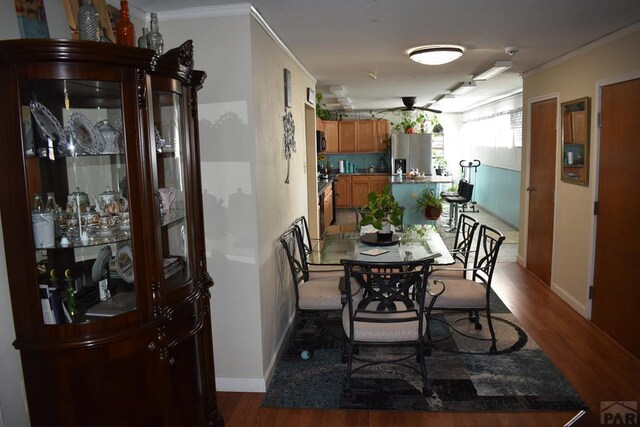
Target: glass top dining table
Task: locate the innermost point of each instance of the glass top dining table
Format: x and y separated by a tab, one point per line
415	242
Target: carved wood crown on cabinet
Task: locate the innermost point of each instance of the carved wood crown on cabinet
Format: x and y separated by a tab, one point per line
110	291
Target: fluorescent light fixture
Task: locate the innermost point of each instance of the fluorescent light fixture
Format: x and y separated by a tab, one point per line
463	88
443	99
495	69
345	100
436	54
337	91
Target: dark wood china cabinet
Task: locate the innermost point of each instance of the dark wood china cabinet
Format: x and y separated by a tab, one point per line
103	231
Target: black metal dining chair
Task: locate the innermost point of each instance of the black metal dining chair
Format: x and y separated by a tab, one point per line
384	314
315	291
462	248
473	294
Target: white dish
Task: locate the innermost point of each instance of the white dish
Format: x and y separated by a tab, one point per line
85	134
124	263
101	265
48	124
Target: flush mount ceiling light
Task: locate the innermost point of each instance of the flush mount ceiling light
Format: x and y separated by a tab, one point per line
436	54
495	69
463	88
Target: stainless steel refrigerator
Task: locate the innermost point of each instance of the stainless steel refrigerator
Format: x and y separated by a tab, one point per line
412	151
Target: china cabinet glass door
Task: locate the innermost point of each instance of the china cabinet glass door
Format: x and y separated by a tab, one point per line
74	152
172	154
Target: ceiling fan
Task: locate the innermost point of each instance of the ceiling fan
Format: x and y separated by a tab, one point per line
409	105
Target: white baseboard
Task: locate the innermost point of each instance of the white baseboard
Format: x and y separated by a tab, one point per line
573	303
252	385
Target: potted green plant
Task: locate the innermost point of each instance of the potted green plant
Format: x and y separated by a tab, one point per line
321	108
429	203
440	165
382	211
411	123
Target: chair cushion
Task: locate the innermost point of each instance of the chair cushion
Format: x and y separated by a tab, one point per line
320	294
383	332
459	293
449	271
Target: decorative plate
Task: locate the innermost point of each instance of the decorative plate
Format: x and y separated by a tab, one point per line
100	267
48	124
124	263
375	240
85	134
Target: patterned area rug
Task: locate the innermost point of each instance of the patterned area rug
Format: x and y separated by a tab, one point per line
463	376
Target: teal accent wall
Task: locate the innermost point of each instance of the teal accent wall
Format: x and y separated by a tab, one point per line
406	194
498	191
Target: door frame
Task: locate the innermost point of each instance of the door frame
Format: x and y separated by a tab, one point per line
524	234
595	159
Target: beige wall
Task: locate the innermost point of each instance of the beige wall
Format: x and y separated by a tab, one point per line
576	76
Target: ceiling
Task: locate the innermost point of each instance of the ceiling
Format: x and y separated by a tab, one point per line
340	41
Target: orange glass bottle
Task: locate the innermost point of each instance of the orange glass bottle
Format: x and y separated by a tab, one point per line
125	33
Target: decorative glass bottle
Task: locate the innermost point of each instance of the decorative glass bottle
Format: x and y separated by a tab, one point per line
88	22
125	33
142	40
154	38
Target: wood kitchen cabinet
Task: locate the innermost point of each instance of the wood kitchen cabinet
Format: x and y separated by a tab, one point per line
343	188
362	185
319	124
331	135
367	136
347	136
382	137
328	207
109	289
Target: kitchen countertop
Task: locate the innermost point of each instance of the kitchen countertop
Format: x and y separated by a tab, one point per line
435	179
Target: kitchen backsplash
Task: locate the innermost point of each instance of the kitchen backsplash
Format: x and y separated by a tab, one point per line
360	162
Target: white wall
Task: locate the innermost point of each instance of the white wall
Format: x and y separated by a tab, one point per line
247	204
574	77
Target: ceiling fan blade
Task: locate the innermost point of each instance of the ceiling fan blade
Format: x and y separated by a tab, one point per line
428	109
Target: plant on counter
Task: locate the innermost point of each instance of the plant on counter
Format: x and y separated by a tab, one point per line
429	203
382	211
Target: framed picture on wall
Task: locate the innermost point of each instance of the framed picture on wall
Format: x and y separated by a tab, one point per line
287	88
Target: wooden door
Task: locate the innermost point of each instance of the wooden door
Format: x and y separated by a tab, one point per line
347	136
331	135
616	292
367	131
542	174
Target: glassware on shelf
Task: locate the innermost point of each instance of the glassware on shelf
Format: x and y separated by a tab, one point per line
154	38
37	205
142	40
89	22
125	32
43	224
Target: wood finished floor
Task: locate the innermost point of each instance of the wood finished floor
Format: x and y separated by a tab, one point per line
595	365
